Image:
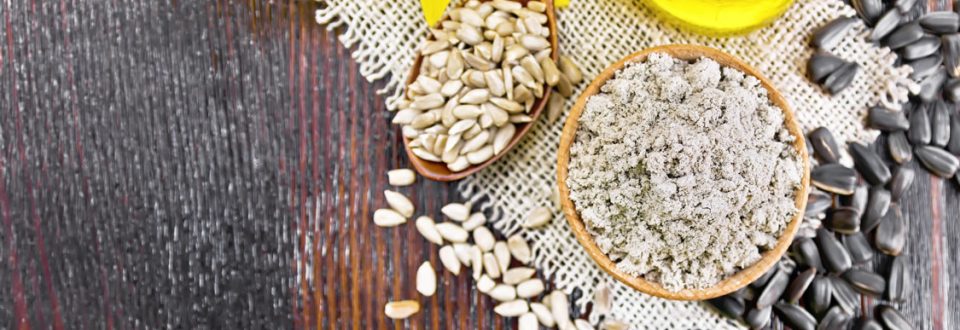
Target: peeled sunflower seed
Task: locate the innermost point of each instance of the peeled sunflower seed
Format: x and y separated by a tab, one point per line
887	120
900	280
938	161
530	288
877	207
502	253
517	275
799	285
887	23
758	318
401	309
484	239
503	292
519	249
399	203
581	324
428	229
476	261
844	220
464	253
939	124
891	234
941	21
926	46
474	221
904	35
401	177
602	299
485	284
426	279
892	319
829	35
834	178
490	265
456	211
570	70
452	232
559	307
825	145
449	260
795	317
544	316
512	308
819	295
835	256
773	290
859	247
865	281
899	147
807	253
388	218
869	164
528	321
538	217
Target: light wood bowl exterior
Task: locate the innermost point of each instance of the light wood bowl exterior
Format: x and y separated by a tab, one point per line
439	171
732	283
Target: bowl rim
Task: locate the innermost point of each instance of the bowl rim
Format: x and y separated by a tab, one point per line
744	276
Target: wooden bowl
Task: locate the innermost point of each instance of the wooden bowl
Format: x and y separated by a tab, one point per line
439	171
731	283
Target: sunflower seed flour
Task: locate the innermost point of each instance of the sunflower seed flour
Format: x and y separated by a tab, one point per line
684	173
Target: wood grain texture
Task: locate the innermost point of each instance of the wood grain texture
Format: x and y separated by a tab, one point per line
215	164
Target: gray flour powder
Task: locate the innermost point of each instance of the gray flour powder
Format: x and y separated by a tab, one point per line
683	172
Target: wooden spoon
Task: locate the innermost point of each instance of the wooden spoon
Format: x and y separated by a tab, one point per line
439	171
731	283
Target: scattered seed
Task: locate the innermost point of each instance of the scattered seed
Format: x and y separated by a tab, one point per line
834	178
483	238
891	233
452	232
538	217
869	164
844	295
773	290
844	220
938	161
950	47
859	247
892	319
729	305
887	23
519	249
401	309
428	230
821	65
919	133
582	324
877	207
399	203
941	21
570	70
543	314
401	177
490	265
388	218
833	254
817	203
926	46
905	35
819	295
516	275
426	279
512	308
528	321
464	253
485	284
560	309
869	10
530	288
474	221
899	147
900	280
865	281
456	211
902	180
830	34
795	317
799	285
841	78
449	260
602	299
825	145
758	318
503	292
887	120
807	253
836	317
476	261
502	253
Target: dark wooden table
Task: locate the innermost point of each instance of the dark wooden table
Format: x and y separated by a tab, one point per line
215	164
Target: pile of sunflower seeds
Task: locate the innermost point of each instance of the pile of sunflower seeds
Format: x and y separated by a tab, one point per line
851	214
501	267
484	68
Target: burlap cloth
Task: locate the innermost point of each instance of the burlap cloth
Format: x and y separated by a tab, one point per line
596	34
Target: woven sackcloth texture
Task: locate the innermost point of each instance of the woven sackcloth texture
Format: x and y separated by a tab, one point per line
596	33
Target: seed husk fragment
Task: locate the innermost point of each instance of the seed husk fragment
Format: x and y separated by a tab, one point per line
829	35
819	295
939	124
795	317
869	164
806	253
731	306
821	65
799	285
512	308
844	220
602	299
865	281
835	257
938	161
825	145
887	120
773	290
891	233
900	280
834	178
401	309
941	21
758	318
904	35
892	319
899	147
877	207
859	247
